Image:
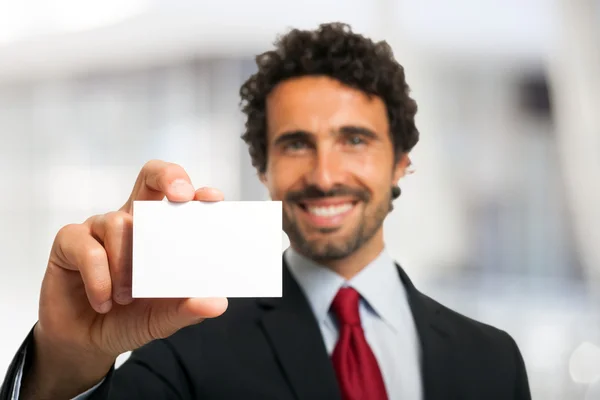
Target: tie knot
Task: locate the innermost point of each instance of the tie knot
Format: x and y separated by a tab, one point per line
345	306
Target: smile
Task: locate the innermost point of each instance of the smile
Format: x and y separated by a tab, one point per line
327	214
329	211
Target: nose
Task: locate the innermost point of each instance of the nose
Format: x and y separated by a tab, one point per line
326	170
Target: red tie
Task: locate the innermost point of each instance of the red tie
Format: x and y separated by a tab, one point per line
355	364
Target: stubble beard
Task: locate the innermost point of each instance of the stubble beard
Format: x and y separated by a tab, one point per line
334	249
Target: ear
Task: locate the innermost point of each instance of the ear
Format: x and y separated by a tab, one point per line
400	169
263	178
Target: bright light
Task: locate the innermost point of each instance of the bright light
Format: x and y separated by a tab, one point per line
26	18
584	365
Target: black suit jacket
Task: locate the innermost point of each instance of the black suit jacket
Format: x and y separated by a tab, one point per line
273	349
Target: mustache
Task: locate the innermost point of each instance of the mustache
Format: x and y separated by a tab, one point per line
314	192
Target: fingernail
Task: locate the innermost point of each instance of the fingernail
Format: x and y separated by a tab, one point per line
123	296
182	188
210	192
105	307
219	303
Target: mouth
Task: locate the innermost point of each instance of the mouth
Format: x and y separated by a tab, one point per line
327	213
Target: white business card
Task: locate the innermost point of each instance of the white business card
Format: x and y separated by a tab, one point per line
198	249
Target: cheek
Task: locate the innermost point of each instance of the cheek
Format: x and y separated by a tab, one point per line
281	179
371	171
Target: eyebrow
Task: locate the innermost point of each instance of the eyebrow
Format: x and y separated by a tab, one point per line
358	130
344	130
291	136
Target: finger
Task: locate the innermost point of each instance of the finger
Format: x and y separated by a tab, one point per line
163	317
209	307
209	194
158	179
115	231
184	313
79	251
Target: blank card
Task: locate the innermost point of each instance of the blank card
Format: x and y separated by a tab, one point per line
197	249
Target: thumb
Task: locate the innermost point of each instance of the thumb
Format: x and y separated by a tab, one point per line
184	312
201	308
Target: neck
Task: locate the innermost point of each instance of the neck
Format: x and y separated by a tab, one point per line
351	265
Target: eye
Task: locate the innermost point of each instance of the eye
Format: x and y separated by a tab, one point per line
295	145
356	140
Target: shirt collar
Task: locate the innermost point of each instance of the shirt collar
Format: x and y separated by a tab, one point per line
319	283
378	283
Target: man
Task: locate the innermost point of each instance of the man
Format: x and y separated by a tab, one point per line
330	125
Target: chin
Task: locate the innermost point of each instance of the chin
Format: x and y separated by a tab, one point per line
326	248
323	256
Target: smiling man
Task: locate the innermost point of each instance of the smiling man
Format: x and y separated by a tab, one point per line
331	159
330	126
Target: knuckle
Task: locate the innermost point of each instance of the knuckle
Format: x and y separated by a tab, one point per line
68	231
151	164
172	171
160	329
115	221
95	256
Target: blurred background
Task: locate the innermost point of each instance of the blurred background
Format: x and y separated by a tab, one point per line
501	220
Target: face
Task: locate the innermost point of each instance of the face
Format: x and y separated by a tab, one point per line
331	163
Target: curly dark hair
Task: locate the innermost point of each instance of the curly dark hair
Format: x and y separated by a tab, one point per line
332	50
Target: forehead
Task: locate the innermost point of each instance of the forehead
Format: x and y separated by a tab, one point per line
318	103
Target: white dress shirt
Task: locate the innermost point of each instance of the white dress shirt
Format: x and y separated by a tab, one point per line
385	316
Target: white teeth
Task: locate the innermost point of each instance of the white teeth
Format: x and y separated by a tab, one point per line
330	211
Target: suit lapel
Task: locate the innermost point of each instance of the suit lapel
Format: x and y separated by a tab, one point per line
437	357
294	334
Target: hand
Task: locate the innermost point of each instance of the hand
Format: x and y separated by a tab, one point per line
86	307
